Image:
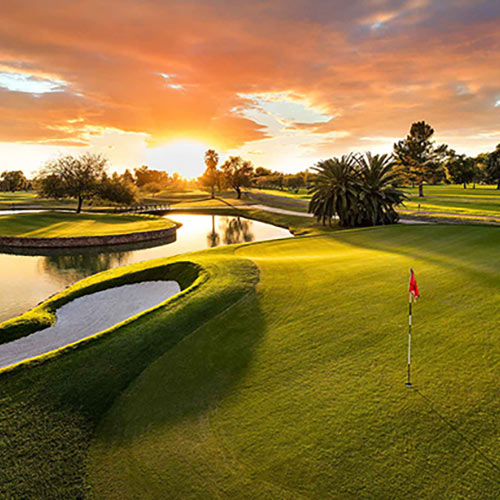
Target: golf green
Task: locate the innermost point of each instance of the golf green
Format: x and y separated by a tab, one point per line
298	390
61	224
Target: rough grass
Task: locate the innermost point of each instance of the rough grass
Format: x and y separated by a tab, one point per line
56	224
298	390
49	411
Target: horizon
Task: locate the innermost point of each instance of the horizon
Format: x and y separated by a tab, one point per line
301	82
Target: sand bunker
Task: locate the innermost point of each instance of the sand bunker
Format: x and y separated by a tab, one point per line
88	315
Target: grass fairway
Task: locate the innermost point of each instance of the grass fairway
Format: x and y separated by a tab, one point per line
445	199
56	224
484	200
48	411
298	391
278	374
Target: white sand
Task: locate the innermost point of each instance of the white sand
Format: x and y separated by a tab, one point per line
88	315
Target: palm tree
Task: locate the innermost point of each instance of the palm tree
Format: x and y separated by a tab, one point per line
211	160
358	189
378	196
335	190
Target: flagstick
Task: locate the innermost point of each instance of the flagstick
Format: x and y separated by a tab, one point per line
408	383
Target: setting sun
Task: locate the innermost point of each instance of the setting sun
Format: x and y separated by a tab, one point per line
183	156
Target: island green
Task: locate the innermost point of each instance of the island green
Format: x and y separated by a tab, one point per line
61	224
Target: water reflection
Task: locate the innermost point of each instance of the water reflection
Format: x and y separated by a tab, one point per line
234	230
213	237
75	267
237	230
28	276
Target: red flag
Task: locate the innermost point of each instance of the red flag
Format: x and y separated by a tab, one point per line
413	289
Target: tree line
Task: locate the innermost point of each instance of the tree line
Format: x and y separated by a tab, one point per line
415	161
420	161
363	190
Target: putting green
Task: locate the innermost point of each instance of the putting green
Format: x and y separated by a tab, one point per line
57	224
297	389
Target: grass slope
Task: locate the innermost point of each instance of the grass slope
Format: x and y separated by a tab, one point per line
48	411
298	391
56	224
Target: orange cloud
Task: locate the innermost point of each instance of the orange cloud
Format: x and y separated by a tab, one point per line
183	69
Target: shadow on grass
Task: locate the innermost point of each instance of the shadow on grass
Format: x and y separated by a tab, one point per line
48	412
194	377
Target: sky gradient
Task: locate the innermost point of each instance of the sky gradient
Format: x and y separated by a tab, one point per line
282	82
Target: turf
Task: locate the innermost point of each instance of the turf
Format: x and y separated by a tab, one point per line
299	391
484	200
27	199
56	224
289	388
452	199
49	410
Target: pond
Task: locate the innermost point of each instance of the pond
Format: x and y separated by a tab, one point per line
27	277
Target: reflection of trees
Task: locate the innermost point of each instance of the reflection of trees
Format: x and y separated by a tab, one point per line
213	237
72	267
236	230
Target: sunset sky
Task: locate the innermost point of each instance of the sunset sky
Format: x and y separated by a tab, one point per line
282	82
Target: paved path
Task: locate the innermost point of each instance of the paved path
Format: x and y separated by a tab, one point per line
494	218
279	210
283	211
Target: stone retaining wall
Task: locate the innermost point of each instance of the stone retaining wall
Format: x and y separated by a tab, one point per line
87	241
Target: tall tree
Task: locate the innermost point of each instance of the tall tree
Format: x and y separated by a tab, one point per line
418	158
144	175
128	177
210	176
493	166
237	173
480	169
72	177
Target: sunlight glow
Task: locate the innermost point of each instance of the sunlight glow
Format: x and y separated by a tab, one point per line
185	156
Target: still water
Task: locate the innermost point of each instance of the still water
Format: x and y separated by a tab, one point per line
27	279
